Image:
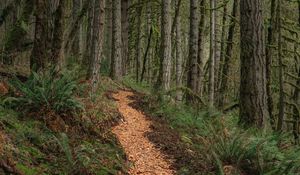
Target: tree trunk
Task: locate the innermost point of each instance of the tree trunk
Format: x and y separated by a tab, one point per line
138	43
88	50
193	51
146	54
116	55
82	34
97	44
222	53
150	55
296	110
281	71
200	46
211	85
108	35
253	98
179	59
125	25
166	45
38	59
271	41
58	33
296	96
75	45
228	55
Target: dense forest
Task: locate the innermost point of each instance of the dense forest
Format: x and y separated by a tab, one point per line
150	87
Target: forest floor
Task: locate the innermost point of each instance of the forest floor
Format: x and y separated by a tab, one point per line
132	132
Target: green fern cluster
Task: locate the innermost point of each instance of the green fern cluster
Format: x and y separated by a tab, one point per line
248	152
48	91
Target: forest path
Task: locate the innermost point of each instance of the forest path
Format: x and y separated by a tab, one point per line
146	158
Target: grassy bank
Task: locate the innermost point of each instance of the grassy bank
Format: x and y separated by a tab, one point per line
46	141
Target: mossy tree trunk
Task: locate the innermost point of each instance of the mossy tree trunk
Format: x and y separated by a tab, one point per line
212	57
56	57
253	96
228	55
192	66
166	49
39	54
116	55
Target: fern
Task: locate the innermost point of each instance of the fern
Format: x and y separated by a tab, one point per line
48	91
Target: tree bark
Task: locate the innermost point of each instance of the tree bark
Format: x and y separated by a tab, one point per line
270	41
193	51
38	59
228	55
97	44
125	25
75	45
211	85
179	58
58	33
146	54
296	96
108	35
150	55
116	55
281	104
138	43
296	110
222	53
166	45
253	97
200	46
88	50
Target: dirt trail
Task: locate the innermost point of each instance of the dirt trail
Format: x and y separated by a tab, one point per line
146	159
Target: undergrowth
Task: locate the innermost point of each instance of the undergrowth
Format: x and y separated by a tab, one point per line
85	145
218	145
45	91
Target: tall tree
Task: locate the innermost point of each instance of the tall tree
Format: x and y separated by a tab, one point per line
108	29
253	97
281	70
57	41
88	50
125	26
222	51
193	50
211	84
138	42
179	58
269	49
228	54
116	55
38	59
296	95
296	104
75	12
97	44
164	79
201	38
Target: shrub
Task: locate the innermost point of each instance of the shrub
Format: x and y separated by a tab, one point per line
248	152
48	91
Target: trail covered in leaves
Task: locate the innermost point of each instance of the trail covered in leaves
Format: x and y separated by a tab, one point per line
146	158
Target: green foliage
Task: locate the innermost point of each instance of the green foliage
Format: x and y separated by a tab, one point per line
38	150
47	91
87	156
222	146
27	170
140	87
